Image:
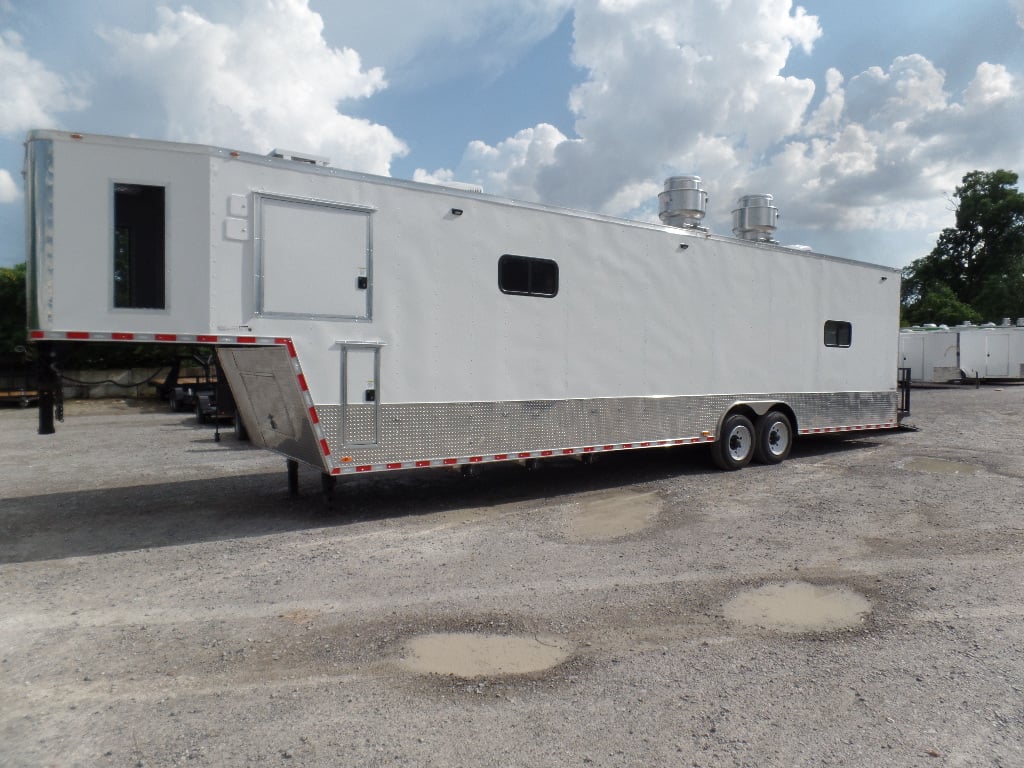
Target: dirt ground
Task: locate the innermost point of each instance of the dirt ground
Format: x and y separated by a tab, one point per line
164	602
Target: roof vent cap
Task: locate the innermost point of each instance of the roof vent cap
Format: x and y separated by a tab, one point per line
755	219
683	203
299	157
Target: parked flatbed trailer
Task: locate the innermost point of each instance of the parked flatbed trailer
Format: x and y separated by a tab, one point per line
24	397
369	324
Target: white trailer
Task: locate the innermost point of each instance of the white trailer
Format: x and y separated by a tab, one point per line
938	354
993	352
371	324
932	354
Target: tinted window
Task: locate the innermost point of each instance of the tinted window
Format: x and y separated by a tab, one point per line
838	333
526	276
138	246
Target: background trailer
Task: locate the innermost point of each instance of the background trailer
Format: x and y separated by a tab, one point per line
993	352
367	323
938	354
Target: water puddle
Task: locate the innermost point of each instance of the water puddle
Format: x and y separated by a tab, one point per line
798	607
611	515
940	467
470	655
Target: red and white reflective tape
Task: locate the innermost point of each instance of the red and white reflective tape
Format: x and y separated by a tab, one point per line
199	338
165	338
852	428
349	466
307	400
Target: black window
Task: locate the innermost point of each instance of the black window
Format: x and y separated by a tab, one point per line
838	333
138	246
527	276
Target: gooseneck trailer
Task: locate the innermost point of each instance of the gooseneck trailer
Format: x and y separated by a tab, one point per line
371	324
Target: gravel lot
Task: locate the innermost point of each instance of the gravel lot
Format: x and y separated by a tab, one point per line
164	602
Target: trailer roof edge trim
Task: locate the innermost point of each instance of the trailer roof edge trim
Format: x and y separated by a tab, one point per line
257	159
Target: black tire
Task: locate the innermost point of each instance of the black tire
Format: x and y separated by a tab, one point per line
774	438
241	433
200	416
175	403
735	445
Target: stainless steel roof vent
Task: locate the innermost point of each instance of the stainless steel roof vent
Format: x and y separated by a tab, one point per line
755	219
683	203
299	157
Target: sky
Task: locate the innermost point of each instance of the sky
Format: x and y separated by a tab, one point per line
859	118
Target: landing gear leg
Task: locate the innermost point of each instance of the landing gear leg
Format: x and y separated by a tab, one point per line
293	478
49	387
327	483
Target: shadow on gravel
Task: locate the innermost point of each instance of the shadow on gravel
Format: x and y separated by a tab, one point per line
809	446
62	525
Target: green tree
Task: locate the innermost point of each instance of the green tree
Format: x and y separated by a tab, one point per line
12	311
939	305
980	260
14	332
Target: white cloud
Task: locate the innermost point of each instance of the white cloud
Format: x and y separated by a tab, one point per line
901	145
1018	6
427	42
911	87
681	86
992	83
31	95
665	77
268	79
10	191
509	168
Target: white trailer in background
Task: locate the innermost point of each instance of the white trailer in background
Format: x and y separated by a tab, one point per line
939	354
993	352
371	324
932	354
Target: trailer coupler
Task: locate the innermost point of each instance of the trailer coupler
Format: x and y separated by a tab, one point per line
50	388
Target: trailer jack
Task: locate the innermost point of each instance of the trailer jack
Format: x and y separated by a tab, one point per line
51	392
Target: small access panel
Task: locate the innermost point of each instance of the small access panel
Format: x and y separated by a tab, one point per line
360	394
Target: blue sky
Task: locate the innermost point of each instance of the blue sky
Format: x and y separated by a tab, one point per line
860	118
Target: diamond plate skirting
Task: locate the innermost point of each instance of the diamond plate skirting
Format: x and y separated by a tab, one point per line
429	430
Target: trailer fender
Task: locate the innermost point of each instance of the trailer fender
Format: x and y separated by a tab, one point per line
756	407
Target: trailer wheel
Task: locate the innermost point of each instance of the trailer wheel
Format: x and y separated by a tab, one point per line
200	416
735	446
241	433
774	438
